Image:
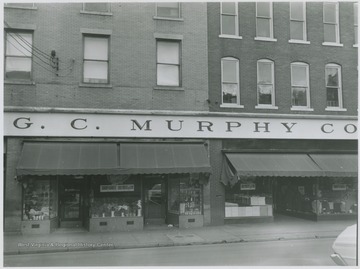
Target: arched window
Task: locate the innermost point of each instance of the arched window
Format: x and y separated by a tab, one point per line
300	89
333	86
265	83
230	81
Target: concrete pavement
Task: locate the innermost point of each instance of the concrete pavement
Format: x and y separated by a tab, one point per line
283	228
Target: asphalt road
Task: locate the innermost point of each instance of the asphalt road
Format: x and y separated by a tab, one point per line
310	252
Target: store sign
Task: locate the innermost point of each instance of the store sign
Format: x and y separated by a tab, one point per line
339	187
248	187
117	188
210	125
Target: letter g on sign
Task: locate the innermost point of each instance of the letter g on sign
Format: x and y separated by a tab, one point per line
18	123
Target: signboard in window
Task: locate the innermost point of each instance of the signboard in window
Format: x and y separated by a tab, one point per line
117	188
248	187
339	187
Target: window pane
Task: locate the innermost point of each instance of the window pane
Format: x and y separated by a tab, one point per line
330	33
95	72
263	9
297	11
19	44
97	7
96	48
330	12
18	68
170	10
299	96
332	77
263	28
298	75
168	52
265	94
265	72
167	75
296	30
229	71
230	92
332	97
228	8
228	25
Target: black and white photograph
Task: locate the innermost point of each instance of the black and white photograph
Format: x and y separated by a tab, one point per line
191	133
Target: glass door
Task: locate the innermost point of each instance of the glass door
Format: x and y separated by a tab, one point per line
154	200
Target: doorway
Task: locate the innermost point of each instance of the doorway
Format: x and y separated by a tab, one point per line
154	190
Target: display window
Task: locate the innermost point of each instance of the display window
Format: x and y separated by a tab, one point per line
249	198
39	199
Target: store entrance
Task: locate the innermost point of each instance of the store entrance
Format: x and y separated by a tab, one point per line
71	202
154	200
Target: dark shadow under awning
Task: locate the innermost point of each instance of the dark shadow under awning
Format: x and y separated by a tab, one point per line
164	158
62	158
333	165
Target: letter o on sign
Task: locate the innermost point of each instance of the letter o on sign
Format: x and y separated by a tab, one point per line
350	128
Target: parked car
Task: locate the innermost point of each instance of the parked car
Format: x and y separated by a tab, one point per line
345	247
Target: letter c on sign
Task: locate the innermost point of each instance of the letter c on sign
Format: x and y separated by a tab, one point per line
323	128
27	124
78	128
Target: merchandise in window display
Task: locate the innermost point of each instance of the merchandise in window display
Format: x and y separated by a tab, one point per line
190	197
115	207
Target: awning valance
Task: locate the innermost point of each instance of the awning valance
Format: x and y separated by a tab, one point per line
164	158
337	165
61	158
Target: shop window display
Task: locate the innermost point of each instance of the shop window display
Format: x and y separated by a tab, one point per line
249	198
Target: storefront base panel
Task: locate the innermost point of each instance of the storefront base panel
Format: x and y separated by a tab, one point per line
336	217
38	226
191	221
249	220
116	224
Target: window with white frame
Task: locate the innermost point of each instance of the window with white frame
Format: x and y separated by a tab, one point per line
18	55
333	85
264	19
331	22
20	5
230	81
300	90
229	18
168	62
96	7
356	6
168	10
298	21
265	83
96	59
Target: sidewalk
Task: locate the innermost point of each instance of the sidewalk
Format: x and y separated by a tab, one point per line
283	228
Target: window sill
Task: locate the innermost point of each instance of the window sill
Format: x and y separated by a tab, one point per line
28	8
231	36
332	44
355	45
293	41
265	107
301	109
96	13
335	109
19	82
231	106
168	88
268	39
167	19
94	85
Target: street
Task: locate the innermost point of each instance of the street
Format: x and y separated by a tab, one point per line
309	252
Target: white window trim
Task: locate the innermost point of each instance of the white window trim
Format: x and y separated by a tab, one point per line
266	107
107	13
265	39
271	38
295	41
340	92
273	84
302	108
337	29
231	36
34	7
304	40
236	35
356	24
238	82
180	18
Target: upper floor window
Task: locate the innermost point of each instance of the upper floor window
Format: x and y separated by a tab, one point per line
168	63
229	18
230	81
300	90
96	7
265	83
298	21
331	22
333	85
356	6
96	59
264	19
168	10
18	55
21	5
